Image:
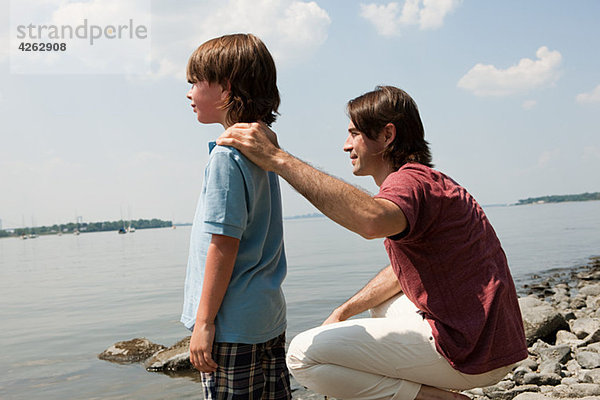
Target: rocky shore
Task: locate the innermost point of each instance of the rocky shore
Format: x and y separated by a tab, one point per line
561	314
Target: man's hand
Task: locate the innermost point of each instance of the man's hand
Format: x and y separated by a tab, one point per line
201	347
334	317
256	141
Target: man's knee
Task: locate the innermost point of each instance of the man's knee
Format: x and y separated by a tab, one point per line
296	357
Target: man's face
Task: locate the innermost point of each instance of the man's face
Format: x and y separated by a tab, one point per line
365	153
207	101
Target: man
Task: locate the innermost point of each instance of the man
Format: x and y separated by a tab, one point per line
447	305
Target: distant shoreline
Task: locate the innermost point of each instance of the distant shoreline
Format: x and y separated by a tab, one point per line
560	198
73	228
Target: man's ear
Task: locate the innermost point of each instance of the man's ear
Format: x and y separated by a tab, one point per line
388	134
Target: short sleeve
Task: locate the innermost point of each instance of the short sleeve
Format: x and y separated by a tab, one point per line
225	206
406	192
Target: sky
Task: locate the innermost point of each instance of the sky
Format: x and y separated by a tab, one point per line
509	94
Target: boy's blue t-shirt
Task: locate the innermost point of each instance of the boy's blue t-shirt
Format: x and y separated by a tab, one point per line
240	200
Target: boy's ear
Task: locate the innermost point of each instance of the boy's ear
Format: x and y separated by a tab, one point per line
226	90
388	134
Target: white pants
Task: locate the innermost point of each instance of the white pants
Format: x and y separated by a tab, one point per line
388	356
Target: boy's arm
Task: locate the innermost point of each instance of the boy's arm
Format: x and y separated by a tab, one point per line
220	260
382	287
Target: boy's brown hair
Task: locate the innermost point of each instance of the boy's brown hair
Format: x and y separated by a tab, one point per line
242	63
372	111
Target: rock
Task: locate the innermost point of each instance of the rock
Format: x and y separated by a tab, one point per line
560	354
590	290
540	319
529	363
532	396
590	376
519	375
512	393
577	390
583	390
588	359
583	327
550	367
534	378
593	347
569	381
566	337
130	351
175	358
592	302
578	302
573	367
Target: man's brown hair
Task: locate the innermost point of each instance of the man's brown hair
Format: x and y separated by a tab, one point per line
372	111
242	63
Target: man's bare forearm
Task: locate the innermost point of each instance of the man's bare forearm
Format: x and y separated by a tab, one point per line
382	287
345	204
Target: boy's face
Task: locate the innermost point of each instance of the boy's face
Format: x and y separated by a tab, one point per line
207	101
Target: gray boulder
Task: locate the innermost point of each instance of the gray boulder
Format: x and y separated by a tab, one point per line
582	327
130	351
559	354
590	290
588	359
175	358
540	319
534	378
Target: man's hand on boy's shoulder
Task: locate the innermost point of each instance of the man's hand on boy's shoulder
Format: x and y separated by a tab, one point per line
201	347
256	141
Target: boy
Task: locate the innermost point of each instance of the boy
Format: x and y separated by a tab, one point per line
233	299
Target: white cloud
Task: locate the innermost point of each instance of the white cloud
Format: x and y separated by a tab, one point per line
529	104
590	97
291	29
388	19
487	80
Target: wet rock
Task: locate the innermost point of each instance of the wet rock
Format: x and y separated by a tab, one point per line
540	319
175	358
130	351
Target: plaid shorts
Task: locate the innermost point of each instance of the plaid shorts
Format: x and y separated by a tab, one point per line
249	371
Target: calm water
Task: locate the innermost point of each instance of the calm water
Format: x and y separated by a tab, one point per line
65	299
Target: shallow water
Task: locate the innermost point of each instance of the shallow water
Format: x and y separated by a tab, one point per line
64	299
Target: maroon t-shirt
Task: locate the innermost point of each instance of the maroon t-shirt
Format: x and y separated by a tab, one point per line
451	266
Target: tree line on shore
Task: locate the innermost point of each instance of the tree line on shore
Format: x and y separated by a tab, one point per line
561	198
73	227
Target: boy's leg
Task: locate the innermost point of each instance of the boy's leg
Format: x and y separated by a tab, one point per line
239	375
277	376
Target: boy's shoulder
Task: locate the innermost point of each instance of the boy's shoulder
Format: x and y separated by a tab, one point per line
223	153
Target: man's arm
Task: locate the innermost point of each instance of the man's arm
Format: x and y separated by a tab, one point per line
382	287
343	203
220	259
